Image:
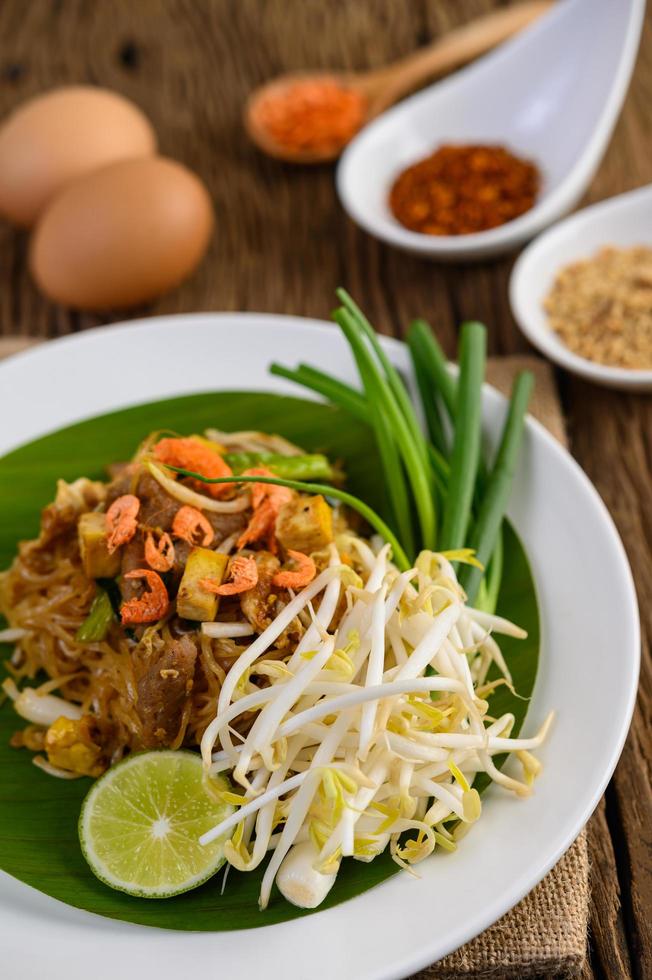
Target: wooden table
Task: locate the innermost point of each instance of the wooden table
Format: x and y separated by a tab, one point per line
283	244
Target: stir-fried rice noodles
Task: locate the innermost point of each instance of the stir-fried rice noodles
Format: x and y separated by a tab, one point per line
146	684
348	700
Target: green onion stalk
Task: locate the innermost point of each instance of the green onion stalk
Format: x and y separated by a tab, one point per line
349	499
441	491
465	457
496	494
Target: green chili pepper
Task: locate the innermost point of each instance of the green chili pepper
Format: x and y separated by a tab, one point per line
309	467
96	625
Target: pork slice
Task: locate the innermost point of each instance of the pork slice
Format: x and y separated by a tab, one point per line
117	470
163	691
122	482
261	604
226	524
182	550
157	508
258	604
133	556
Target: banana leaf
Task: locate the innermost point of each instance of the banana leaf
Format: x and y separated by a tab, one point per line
38	814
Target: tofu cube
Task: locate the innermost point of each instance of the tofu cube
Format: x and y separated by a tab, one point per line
305	524
97	561
193	601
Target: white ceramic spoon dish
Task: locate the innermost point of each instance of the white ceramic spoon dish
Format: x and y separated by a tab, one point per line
623	221
588	674
552	95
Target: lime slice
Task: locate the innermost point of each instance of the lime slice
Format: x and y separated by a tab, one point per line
140	824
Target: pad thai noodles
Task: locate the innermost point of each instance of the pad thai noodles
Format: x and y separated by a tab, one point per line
347	699
109	600
333	673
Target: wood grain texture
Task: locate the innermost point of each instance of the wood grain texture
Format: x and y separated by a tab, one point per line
283	244
608	938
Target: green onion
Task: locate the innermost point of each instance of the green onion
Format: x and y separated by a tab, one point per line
496	494
494	574
393	378
96	625
363	509
487	595
428	395
381	398
423	342
353	402
382	419
440	470
336	391
309	467
394	478
430	363
467	439
420	478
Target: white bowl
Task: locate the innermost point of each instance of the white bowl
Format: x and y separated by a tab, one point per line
588	672
623	221
552	94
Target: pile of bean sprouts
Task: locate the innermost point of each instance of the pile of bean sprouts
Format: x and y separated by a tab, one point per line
371	734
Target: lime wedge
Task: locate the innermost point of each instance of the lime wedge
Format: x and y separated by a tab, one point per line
141	822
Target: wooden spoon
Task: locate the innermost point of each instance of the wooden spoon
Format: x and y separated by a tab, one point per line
383	87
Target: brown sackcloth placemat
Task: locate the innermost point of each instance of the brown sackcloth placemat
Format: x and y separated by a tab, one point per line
544	934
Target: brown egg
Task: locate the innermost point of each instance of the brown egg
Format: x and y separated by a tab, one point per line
67	133
122	235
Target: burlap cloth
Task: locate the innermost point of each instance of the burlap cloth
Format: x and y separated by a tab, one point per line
546	933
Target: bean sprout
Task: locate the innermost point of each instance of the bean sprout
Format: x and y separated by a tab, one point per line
371	735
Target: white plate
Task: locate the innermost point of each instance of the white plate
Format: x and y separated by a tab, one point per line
622	221
589	670
553	94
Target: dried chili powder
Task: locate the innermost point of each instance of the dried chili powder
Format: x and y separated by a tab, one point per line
463	189
311	115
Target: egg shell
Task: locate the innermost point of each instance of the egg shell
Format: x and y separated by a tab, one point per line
122	235
60	136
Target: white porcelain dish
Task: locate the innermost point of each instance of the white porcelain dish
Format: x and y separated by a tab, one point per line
623	221
588	609
551	94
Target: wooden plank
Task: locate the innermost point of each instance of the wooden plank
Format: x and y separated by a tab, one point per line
609	952
283	244
610	433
